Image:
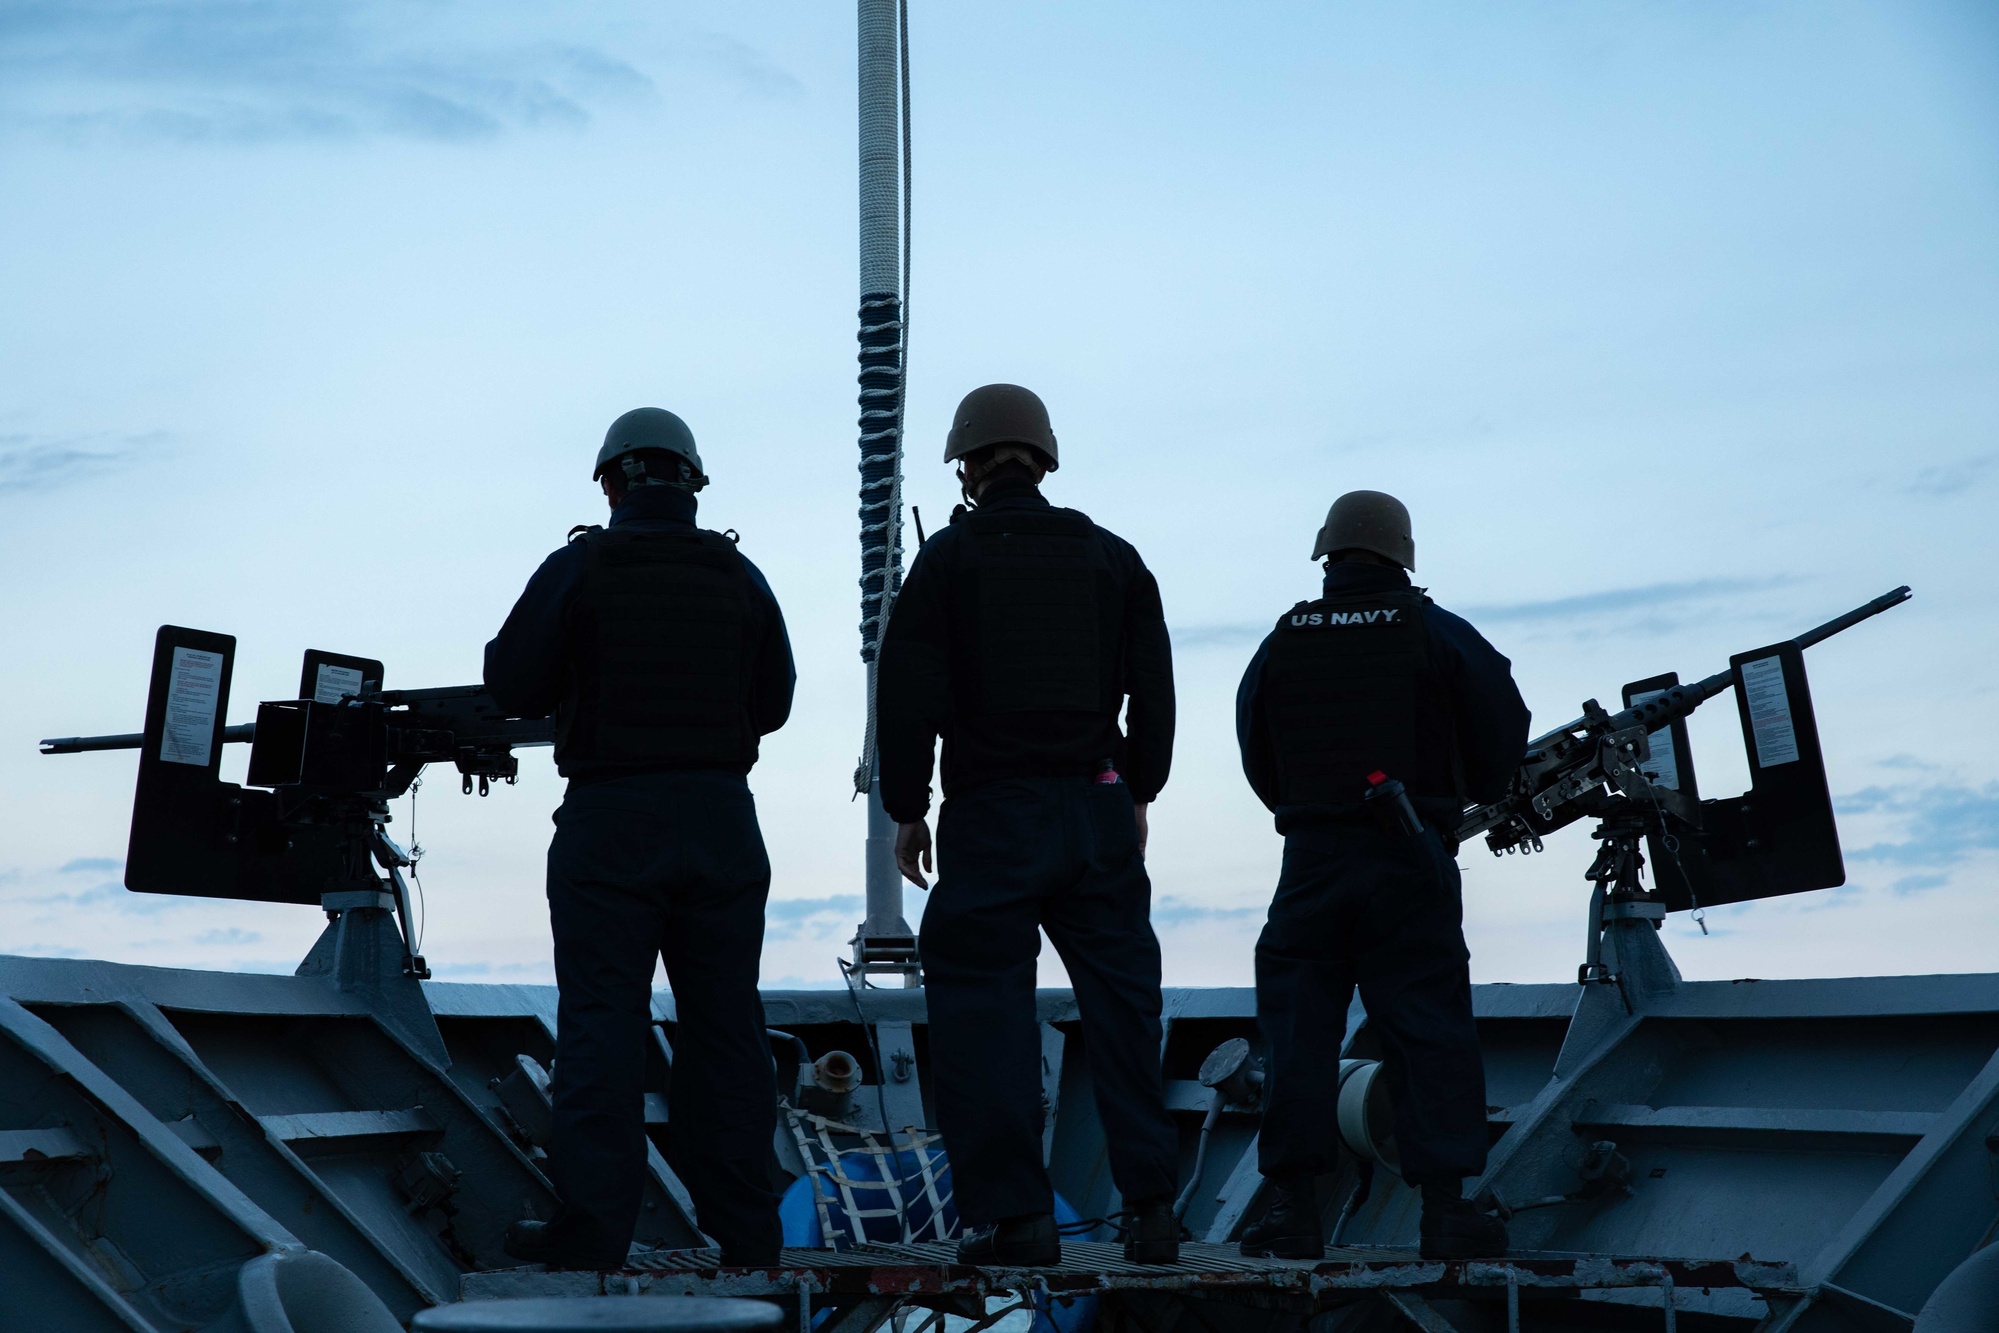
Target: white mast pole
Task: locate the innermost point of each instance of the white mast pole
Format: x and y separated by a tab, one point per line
884	942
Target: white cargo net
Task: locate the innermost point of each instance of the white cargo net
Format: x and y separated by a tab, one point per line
846	1204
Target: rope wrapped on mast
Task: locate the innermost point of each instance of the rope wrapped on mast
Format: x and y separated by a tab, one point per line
884	326
881	400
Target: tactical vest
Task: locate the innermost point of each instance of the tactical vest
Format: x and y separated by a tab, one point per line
1349	690
661	653
1048	620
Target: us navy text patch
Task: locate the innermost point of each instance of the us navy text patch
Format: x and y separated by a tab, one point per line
1322	619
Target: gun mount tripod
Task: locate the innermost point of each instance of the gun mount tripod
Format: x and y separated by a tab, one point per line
1619	894
362	842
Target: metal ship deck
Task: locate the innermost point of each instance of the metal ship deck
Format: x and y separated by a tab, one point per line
1212	1285
1802	1155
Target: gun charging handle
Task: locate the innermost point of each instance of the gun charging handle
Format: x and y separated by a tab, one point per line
1384	790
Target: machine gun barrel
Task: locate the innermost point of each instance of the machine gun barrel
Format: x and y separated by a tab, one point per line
131	740
466	710
1853	617
1664	708
1564	762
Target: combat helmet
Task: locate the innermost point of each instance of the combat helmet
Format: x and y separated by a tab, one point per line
1368	521
650	428
1001	414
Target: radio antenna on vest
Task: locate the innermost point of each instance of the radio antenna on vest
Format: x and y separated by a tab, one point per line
884	943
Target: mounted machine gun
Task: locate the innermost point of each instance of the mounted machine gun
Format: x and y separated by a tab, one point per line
1633	771
307	823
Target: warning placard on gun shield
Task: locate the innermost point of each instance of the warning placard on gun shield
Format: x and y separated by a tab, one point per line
1769	711
1662	766
194	690
336	683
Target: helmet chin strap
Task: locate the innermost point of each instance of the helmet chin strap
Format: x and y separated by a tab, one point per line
637	475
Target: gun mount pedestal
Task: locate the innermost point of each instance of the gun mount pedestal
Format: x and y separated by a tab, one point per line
1623	945
368	947
362	952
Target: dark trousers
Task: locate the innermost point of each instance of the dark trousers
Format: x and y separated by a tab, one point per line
670	866
1017	857
1357	904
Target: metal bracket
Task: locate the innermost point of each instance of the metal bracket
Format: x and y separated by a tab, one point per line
1418	1312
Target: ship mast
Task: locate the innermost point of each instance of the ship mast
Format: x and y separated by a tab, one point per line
884	943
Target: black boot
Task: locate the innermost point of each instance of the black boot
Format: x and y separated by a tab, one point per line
1151	1232
1013	1242
1289	1227
545	1243
1453	1228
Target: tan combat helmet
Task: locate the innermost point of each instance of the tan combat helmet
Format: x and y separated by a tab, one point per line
1001	414
1368	521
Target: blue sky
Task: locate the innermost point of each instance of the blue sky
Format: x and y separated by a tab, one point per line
1673	323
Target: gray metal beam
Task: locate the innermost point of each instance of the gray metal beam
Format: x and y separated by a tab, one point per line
1832	997
901	1092
1238	1192
320	1127
42	1145
1052	1042
862	1316
48	1287
47	1045
1930	1212
1418	1312
1756	1126
157	1065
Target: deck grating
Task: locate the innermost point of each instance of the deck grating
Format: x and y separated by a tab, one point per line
917	1272
1078	1257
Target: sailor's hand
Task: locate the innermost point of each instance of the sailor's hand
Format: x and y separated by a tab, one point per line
1138	810
912	845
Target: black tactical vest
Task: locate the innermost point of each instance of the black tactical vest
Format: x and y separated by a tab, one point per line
661	653
1047	618
1349	690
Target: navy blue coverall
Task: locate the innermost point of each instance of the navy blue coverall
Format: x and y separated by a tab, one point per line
1037	833
653	862
1361	904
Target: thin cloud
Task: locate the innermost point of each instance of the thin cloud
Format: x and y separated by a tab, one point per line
795	918
748	66
209	71
1613	601
91	865
790	982
1219	636
229	935
115	896
1647	601
45	463
798	909
1943	825
506	970
1947	479
1172	911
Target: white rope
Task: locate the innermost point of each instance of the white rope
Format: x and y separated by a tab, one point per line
831	1185
881	440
